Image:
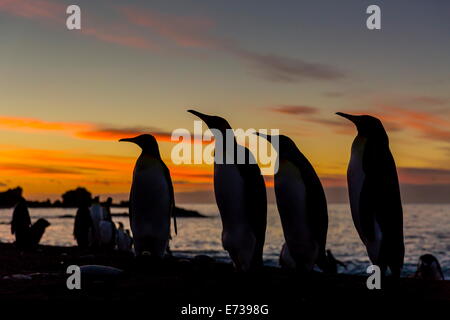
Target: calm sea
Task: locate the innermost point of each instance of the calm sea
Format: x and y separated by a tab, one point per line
427	230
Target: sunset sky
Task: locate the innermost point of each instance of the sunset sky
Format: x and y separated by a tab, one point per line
137	66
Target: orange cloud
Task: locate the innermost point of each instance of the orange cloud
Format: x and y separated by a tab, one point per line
83	130
424	176
31	124
116	134
55	171
428	124
88	130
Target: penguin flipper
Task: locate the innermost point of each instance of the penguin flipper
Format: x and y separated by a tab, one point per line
172	197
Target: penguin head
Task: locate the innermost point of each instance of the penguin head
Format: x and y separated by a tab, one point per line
42	223
428	261
367	126
429	266
147	142
286	147
213	122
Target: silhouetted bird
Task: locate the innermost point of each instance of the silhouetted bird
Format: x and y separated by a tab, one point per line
107	228
96	217
37	230
240	195
152	199
375	194
429	268
20	224
82	226
302	206
123	239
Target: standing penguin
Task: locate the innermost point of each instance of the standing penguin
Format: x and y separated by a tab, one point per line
375	194
123	239
151	199
240	195
83	225
21	223
302	207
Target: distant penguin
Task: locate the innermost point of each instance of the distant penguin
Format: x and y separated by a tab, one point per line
107	227
82	226
107	234
375	194
97	215
37	230
20	224
123	239
302	207
429	268
151	199
241	197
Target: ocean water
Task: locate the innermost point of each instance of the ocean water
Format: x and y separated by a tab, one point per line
426	228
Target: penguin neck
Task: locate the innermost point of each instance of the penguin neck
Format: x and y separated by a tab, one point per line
227	150
379	137
151	153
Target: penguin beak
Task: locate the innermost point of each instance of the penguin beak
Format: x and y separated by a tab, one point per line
128	140
206	118
350	117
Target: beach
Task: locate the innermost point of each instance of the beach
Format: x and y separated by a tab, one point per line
201	281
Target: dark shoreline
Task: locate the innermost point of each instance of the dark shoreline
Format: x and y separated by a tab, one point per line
179	212
199	281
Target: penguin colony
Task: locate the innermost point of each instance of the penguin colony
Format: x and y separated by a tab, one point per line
241	198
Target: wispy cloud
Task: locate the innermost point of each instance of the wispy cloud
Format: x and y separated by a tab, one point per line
83	130
424	176
427	124
155	31
197	32
429	101
54	13
286	69
34	9
110	133
184	31
312	115
36	169
294	110
121	37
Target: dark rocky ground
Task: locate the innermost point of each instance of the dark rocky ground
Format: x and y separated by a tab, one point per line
169	285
